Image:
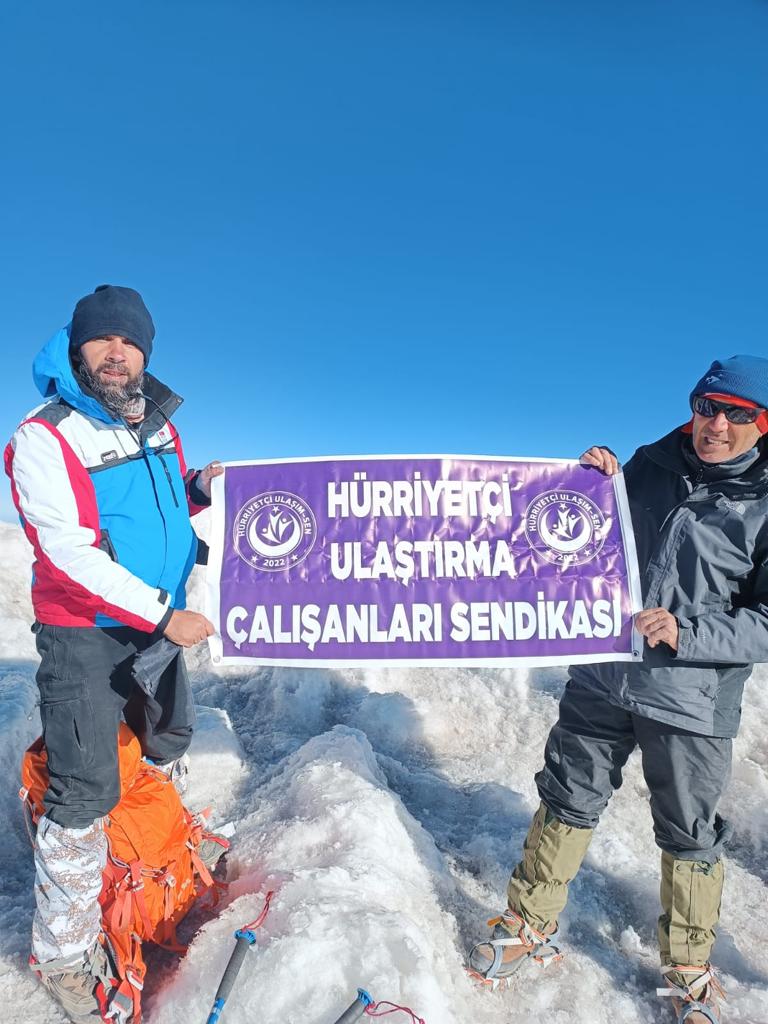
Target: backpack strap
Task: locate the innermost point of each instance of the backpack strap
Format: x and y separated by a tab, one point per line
136	889
125	1000
205	875
117	912
128	886
30	817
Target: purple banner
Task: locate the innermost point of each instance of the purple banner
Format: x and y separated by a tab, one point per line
421	559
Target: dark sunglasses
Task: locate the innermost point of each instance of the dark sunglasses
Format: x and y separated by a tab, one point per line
708	408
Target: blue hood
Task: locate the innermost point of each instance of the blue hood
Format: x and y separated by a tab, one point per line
53	375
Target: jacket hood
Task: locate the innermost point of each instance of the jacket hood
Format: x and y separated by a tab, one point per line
53	375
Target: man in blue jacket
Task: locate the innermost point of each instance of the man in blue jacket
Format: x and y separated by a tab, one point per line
104	496
699	504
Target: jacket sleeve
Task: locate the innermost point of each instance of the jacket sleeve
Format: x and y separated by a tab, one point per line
732	636
56	500
196	498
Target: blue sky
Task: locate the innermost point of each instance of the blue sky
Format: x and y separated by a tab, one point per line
508	228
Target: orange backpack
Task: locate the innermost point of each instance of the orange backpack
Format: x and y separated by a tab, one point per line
153	873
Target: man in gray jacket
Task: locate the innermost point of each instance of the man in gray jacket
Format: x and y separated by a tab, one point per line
699	503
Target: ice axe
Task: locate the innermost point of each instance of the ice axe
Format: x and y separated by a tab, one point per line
245	938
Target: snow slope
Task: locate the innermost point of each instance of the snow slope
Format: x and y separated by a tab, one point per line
386	808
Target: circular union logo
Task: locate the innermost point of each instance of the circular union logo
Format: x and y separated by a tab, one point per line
565	527
274	531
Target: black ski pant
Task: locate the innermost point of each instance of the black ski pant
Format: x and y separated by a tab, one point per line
86	685
686	773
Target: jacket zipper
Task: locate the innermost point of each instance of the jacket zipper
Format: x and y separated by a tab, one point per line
169	479
695	481
143	452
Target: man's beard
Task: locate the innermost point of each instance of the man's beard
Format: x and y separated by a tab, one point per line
125	399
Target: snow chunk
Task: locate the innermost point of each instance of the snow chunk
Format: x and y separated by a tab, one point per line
217	769
357	901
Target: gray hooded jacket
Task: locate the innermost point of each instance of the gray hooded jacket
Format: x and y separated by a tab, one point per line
702	544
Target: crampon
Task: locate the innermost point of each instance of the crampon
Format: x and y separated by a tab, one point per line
512	945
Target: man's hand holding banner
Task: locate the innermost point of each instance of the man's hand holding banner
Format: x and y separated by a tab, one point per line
432	560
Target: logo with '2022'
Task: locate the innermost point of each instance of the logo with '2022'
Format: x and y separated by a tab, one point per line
274	531
565	527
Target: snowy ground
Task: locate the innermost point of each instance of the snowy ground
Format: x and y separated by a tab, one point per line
386	808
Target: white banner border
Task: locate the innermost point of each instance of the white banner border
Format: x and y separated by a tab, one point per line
216	560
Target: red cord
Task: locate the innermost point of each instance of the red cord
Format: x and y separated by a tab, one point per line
374	1010
260	919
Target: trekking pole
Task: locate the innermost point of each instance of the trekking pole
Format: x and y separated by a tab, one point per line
366	1006
245	938
357	1009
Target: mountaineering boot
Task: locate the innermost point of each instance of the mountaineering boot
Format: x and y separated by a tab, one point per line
511	943
211	844
695	1000
176	770
690	899
537	893
82	987
212	848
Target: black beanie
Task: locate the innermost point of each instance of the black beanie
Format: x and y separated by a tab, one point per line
112	310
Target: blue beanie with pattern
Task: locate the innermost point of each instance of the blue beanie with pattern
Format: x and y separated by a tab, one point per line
740	376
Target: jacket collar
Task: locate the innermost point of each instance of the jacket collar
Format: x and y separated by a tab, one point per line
162	403
747	474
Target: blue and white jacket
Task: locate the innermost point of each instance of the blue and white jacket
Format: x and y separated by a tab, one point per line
105	505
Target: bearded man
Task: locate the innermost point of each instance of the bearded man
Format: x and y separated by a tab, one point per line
699	504
104	496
